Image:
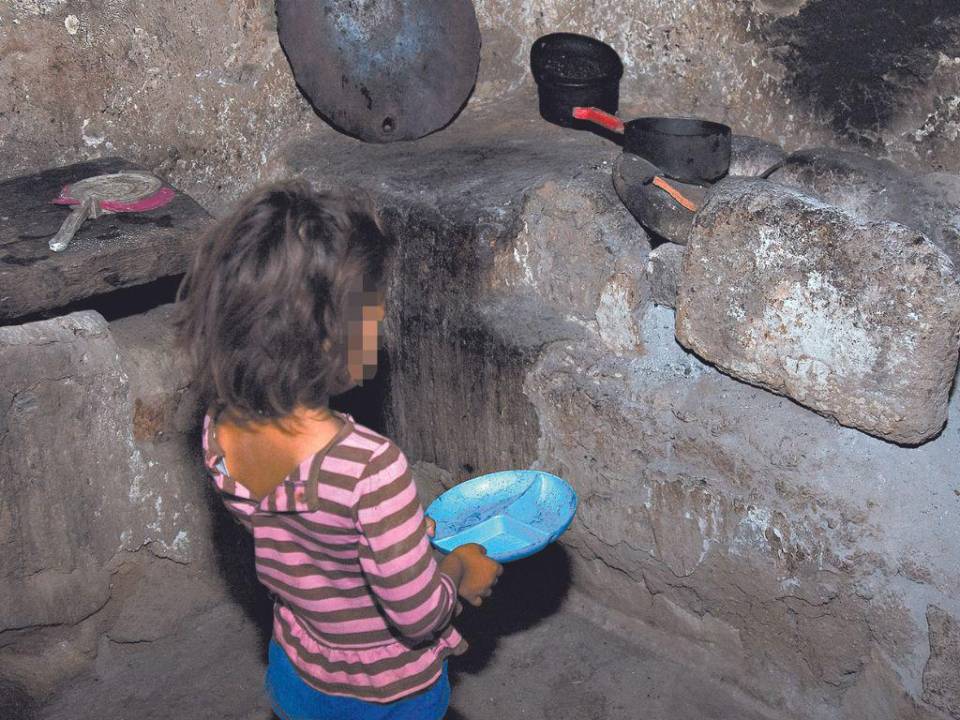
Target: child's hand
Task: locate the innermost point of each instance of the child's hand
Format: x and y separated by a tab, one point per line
431	526
480	573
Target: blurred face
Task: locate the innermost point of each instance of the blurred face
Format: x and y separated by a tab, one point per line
364	337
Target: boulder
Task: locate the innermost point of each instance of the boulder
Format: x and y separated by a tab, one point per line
855	319
62	507
879	190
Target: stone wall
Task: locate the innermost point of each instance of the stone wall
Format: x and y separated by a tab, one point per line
810	564
110	534
797	558
201	92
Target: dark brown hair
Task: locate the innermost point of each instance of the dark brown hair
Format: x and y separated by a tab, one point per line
263	309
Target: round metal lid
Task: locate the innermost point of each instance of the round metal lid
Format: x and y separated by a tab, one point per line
382	70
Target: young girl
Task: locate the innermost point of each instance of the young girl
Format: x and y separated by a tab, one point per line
279	311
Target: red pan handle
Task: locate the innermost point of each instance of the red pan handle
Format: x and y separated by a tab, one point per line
595	115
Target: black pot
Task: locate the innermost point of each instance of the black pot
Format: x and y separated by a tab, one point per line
574	70
686	149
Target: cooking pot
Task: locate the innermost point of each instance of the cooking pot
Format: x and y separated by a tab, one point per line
574	70
690	150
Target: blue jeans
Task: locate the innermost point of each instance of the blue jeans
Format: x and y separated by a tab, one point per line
293	699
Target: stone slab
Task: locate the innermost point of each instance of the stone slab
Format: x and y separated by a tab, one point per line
61	514
858	321
111	252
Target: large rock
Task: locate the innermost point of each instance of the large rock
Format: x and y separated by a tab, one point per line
856	320
941	676
61	514
879	190
99	459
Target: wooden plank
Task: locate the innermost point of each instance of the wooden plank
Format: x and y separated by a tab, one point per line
111	252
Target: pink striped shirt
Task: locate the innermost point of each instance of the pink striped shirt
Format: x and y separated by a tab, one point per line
361	607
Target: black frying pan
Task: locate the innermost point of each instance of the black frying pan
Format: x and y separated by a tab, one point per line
685	149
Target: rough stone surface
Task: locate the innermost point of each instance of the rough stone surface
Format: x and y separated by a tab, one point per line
941	676
61	514
201	92
858	321
213	668
885	79
476	248
878	695
155	608
15	702
752	157
721	515
77	505
663	269
879	190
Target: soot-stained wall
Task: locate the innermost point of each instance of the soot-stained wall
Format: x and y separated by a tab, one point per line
202	93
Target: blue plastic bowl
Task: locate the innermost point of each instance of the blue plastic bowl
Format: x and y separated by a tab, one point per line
513	514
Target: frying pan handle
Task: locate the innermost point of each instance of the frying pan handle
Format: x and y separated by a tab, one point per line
595	115
70	226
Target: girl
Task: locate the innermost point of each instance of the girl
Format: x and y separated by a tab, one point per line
279	311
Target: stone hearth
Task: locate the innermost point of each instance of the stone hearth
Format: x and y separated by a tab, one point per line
785	534
796	558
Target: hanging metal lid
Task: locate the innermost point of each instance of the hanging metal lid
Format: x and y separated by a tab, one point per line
383	70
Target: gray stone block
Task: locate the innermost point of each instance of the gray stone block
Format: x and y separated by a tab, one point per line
64	502
856	320
941	675
663	271
879	190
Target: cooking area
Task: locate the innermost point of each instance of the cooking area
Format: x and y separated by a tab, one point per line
693	262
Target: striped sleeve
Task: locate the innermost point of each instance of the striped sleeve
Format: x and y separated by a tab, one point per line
394	550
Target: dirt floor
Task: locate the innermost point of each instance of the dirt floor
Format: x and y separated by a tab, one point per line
535	653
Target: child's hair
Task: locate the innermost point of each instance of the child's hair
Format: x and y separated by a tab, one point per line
263	309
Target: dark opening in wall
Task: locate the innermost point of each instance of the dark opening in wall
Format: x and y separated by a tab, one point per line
117	304
367	403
